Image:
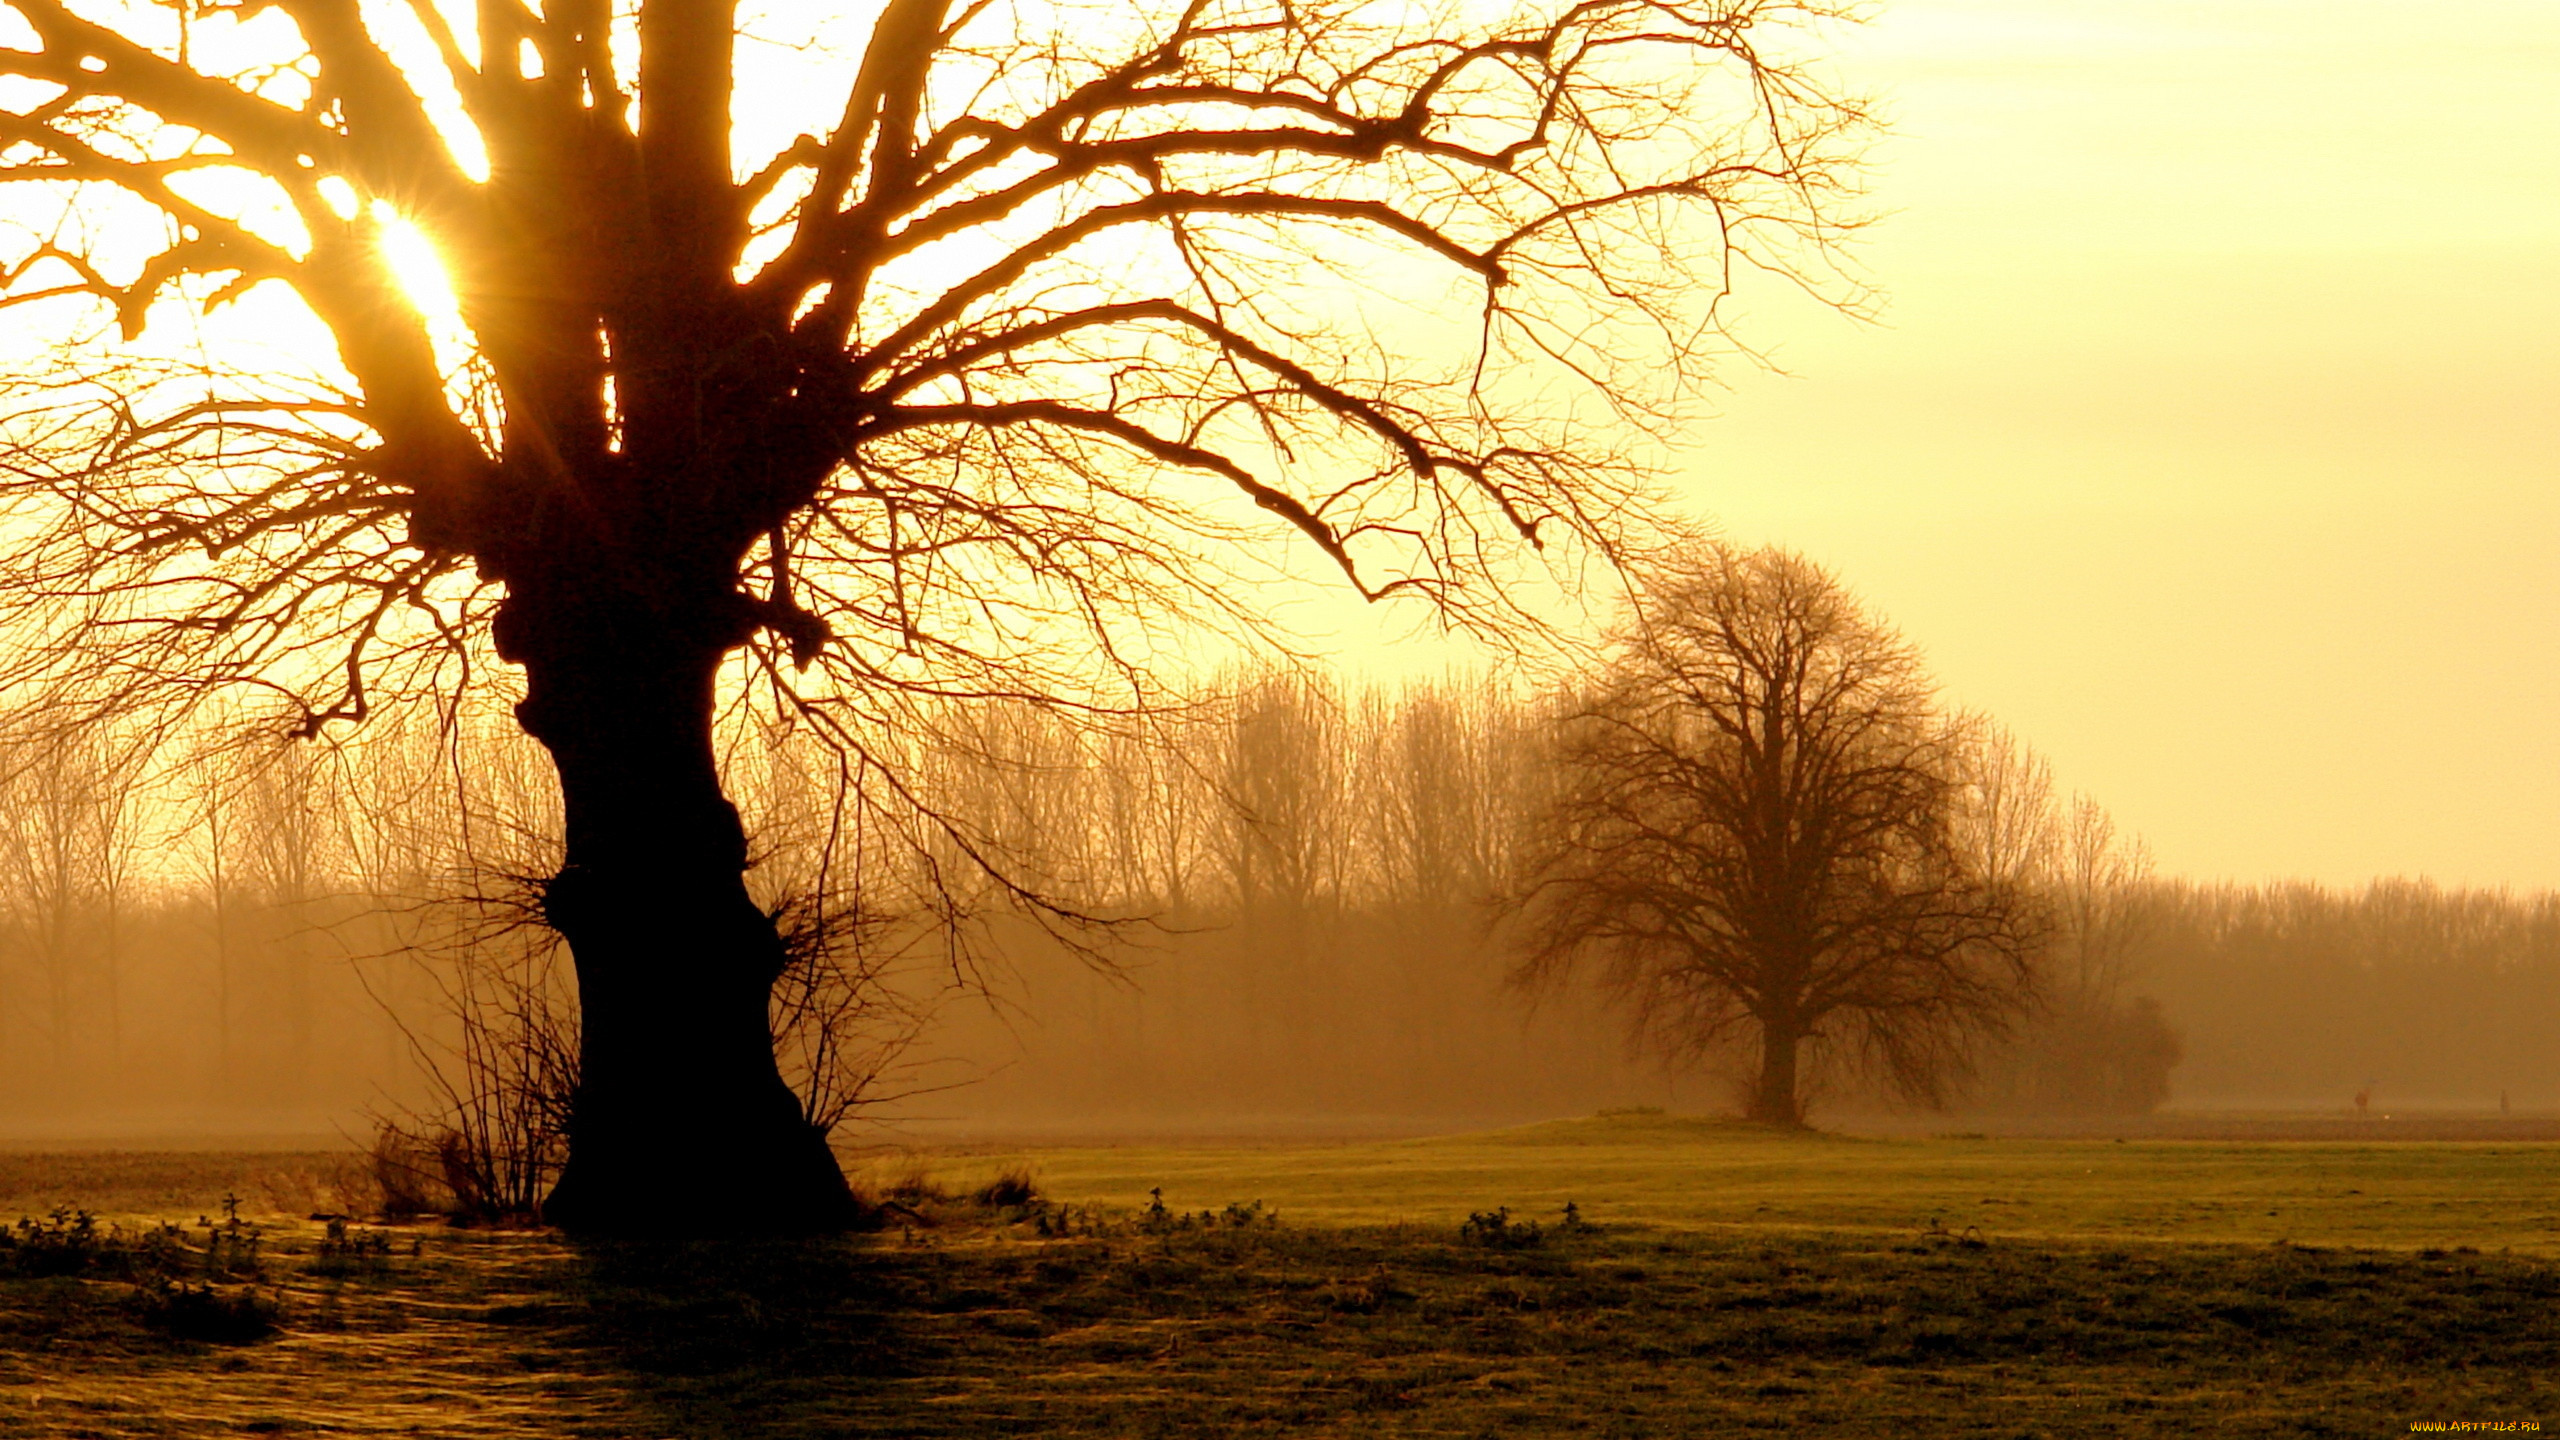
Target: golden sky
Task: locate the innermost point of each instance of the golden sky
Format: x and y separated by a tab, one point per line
2211	437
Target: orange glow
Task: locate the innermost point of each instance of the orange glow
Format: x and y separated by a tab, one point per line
2209	438
413	260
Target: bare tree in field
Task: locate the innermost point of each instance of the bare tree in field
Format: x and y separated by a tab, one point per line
1043	329
1760	837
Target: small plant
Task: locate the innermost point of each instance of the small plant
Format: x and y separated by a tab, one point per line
69	1241
345	1251
503	1073
1059	1222
1158	1219
231	1246
1573	1223
162	1250
1495	1230
178	1282
1247	1215
159	1262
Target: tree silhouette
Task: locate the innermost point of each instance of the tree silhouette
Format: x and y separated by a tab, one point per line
2089	1047
1760	836
1050	330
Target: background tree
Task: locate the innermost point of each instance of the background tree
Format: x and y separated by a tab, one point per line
1759	837
289	863
67	845
2091	1046
1016	350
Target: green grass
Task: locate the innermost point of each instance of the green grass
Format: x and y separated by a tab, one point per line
1740	1283
1681	1172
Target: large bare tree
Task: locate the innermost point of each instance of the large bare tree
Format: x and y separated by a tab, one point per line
914	348
1760	838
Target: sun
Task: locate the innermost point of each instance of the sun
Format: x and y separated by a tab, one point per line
413	261
418	268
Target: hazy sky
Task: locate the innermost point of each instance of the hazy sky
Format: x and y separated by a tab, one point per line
2210	438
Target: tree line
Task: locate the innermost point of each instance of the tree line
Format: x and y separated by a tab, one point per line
2414	993
238	933
1284	901
1320	897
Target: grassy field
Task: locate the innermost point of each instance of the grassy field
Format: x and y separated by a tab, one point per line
1689	1173
1720	1280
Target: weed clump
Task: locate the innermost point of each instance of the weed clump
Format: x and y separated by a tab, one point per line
65	1242
345	1251
1158	1219
913	1189
1238	1217
1968	1238
70	1242
231	1245
192	1289
1496	1230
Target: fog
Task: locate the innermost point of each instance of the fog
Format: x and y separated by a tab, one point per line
1270	917
2299	996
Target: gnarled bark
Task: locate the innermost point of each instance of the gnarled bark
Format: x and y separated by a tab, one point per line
680	1109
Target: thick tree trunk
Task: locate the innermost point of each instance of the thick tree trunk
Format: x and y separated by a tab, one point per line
681	1119
1774	1100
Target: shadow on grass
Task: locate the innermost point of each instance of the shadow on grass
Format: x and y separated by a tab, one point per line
745	1338
1397	1332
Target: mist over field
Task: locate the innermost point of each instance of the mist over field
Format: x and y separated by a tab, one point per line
2289	998
1302	939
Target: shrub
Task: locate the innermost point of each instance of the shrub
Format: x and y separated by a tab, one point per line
1009	1191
